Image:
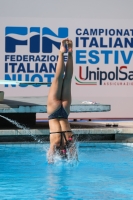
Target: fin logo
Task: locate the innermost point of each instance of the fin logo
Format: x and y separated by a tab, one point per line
38	39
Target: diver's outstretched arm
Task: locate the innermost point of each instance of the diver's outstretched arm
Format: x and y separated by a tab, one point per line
72	150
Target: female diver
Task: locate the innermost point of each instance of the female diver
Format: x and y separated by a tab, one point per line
58	106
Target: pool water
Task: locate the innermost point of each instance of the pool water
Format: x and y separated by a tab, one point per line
104	172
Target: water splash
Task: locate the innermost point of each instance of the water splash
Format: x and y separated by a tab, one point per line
58	161
22	126
71	159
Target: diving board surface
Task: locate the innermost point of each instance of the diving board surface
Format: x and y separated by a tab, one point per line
39	105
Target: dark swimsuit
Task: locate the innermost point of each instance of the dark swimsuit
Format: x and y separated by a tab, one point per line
61	113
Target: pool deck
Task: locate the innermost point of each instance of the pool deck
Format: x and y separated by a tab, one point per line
120	131
22	108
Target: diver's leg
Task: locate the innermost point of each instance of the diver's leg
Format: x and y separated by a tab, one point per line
66	88
54	96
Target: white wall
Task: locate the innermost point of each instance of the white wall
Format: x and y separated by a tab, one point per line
92	9
85	9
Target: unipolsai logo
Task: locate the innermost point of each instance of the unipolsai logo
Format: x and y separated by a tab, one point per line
35	38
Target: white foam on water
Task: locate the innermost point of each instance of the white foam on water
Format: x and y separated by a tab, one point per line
128	144
71	160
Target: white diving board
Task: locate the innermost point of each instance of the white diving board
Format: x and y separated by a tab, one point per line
39	105
8	82
24	109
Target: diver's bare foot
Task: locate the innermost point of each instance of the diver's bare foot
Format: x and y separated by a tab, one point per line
70	47
62	46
